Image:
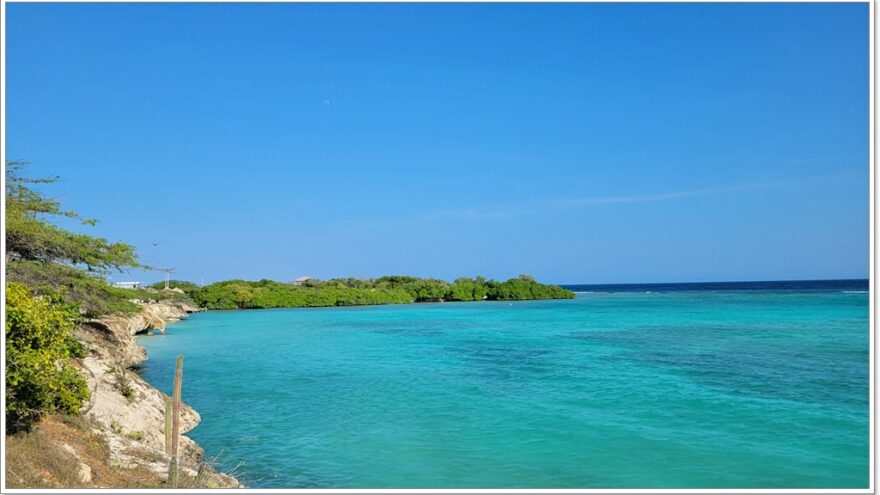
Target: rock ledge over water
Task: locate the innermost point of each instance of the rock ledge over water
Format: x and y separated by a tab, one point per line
128	411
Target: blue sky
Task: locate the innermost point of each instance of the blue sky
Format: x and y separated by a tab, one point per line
580	143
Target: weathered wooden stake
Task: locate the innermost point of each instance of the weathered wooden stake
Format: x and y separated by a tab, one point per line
168	408
175	418
175	422
172	473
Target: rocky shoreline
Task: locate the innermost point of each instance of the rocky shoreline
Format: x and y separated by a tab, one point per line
129	412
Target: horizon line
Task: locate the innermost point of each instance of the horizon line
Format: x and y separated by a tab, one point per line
865	279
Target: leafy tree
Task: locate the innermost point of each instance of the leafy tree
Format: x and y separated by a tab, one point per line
29	236
50	259
39	345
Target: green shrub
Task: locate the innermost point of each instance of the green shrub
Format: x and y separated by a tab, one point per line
39	376
395	289
123	383
93	294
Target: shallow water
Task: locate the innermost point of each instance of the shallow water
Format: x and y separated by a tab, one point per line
677	388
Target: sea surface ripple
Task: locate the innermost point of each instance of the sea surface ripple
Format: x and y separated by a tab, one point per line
647	388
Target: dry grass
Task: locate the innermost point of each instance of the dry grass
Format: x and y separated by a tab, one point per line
35	460
206	475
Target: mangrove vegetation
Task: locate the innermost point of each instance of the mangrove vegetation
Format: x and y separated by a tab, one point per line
241	294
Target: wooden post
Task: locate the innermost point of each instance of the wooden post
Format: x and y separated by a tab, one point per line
168	411
172	473
175	422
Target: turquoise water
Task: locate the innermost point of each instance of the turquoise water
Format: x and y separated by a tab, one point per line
720	389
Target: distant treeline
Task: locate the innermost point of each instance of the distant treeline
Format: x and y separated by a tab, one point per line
241	294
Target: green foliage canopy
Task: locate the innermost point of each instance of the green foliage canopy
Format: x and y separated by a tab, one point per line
30	236
50	259
394	289
39	345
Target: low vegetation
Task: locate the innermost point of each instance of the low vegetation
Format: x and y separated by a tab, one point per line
94	295
240	294
121	380
39	346
38	459
35	459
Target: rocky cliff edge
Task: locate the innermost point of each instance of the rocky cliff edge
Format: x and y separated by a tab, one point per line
128	411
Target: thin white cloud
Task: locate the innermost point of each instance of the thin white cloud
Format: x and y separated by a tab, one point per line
476	213
648	198
510	211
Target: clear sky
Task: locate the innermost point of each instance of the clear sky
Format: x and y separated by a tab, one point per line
589	143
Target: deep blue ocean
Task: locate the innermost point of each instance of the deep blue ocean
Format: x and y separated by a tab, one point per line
857	285
718	385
